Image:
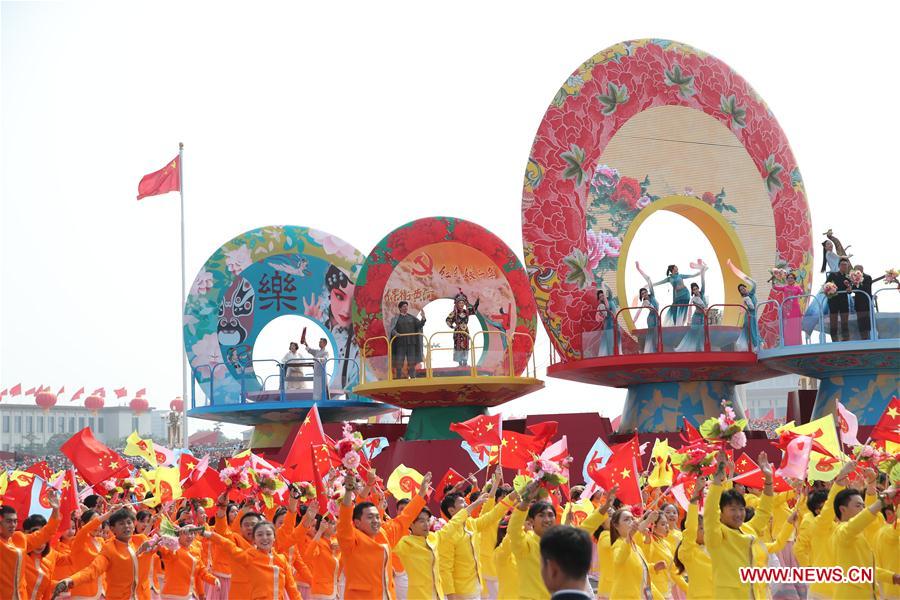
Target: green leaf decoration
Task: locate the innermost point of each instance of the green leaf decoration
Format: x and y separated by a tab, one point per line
615	95
709	428
675	76
730	107
773	169
520	482
574	158
577	262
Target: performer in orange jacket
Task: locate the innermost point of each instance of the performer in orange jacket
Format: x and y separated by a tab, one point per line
268	572
240	531
119	560
39	563
185	572
15	545
366	542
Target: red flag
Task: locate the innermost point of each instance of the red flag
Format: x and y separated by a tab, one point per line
888	426
315	451
187	464
544	431
623	469
296	463
206	484
162	181
450	478
77	395
140	393
518	449
99	392
483	430
121	392
746	472
2	393
30	392
68	499
15	390
61	391
689	433
41	469
94	460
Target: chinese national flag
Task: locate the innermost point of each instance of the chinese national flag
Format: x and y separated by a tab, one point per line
162	181
188	465
888	426
41	469
15	390
121	392
746	472
68	498
483	430
450	478
77	395
94	461
203	482
518	449
623	469
544	431
315	452
140	393
296	464
689	433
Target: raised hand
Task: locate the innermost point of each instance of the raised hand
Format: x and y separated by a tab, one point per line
765	466
698	490
610	498
426	485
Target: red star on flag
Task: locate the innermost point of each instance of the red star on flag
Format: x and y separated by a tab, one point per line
483	430
888	426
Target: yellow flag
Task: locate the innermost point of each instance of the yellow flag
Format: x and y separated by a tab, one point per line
662	473
4	482
581	509
404	482
135	446
821	467
166	485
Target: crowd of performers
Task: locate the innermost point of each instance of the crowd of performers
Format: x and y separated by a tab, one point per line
847	288
660	532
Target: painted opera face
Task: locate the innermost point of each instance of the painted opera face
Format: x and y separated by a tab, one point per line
236	313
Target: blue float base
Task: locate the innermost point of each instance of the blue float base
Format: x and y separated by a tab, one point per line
659	407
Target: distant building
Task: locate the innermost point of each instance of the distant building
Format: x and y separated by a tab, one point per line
28	428
768	397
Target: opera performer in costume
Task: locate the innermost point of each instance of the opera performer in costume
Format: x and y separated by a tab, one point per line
458	321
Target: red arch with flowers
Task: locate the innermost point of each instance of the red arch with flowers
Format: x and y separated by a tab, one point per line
369	297
598	99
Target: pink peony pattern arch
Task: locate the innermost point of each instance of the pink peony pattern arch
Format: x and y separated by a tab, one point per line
592	105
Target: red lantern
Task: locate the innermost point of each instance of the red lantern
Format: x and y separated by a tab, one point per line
45	400
139	405
94	403
176	405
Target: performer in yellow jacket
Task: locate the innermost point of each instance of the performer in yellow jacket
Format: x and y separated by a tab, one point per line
526	545
730	541
691	553
852	549
420	555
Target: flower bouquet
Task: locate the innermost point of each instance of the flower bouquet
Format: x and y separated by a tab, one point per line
855	276
695	459
349	447
778	274
235	477
878	460
546	471
891	275
726	428
830	289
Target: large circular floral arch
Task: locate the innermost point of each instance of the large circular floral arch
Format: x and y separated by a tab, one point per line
255	278
592	105
432	258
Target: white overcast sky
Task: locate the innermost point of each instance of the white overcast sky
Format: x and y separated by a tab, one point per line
353	119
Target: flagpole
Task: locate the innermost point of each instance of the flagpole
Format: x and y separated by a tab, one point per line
184	365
